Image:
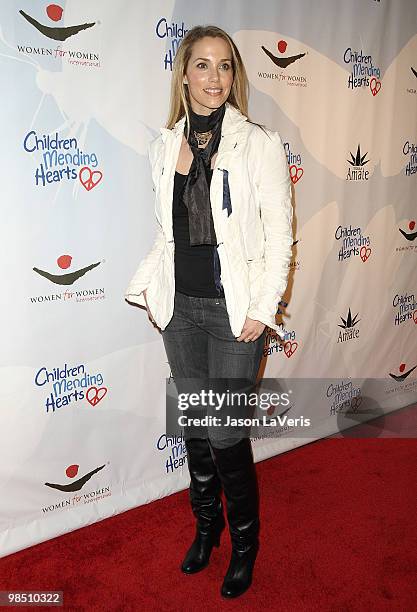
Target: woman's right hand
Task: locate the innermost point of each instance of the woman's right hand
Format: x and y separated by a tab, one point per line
152	320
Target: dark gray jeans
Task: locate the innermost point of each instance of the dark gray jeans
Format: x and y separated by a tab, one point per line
203	353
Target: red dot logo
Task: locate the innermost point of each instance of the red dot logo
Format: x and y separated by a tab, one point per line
412	225
282	46
402	367
72	470
64	261
54	12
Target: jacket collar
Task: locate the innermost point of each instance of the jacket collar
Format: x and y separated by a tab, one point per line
232	121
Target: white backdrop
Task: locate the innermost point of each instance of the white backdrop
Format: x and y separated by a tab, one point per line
82	372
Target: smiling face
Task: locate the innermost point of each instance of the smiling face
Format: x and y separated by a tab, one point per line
209	74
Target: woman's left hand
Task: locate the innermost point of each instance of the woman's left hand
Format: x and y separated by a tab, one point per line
251	330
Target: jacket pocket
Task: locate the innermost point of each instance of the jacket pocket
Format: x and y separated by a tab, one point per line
153	290
160	291
256	268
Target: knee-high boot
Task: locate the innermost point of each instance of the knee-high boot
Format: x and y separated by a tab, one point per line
205	489
238	477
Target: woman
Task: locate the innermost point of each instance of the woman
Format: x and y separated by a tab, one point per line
216	272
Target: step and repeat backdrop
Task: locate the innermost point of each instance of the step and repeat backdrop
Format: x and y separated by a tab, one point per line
85	88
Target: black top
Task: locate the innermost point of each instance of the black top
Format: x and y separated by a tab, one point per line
194	265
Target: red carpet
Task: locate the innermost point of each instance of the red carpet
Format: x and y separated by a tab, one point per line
338	534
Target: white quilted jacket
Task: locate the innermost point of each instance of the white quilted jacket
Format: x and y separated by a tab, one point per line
250	196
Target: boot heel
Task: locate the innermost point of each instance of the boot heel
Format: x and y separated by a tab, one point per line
238	476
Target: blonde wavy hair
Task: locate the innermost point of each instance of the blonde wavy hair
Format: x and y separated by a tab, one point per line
179	98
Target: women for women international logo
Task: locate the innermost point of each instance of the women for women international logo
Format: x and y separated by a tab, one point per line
70	482
54	31
405	383
409	234
284	60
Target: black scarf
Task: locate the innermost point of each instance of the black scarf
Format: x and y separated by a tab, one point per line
196	193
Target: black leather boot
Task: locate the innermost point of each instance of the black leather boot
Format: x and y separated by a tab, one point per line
205	489
238	476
